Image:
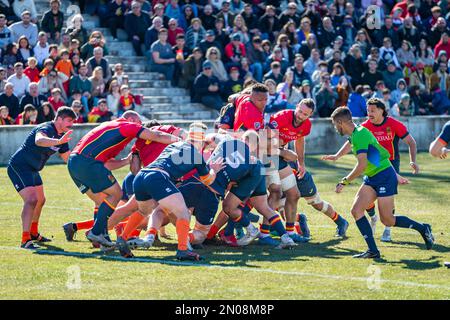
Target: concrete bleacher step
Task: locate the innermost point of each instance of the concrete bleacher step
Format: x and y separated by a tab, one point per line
149	84
155	100
128	60
190	115
161	91
176	107
144	76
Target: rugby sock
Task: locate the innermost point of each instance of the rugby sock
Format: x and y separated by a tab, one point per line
182	227
25	236
290	227
135	233
366	231
84	225
337	219
264	230
34	228
277	224
105	210
133	221
371	210
405	222
191	237
229	229
212	232
152	231
243	220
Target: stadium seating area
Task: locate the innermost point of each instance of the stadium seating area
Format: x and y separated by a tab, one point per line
182	59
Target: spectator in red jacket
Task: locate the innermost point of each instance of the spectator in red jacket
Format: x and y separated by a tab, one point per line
173	31
28	116
56	100
234	51
443	44
32	72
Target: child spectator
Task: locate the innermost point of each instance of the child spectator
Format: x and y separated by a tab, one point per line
113	96
65	66
234	84
55	100
32	72
3	78
126	100
101	113
28	116
77	107
5	118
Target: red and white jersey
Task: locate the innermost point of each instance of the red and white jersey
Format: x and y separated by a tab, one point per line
283	121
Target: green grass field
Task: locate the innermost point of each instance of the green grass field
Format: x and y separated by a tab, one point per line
321	269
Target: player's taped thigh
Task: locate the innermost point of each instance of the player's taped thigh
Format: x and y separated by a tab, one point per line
288	183
200	232
317	200
273	177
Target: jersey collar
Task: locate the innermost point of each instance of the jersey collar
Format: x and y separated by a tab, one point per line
382	122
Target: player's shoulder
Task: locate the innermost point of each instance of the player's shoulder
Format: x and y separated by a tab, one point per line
393	121
366	124
446	126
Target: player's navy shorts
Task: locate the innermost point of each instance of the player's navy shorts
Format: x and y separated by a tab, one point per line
153	184
250	187
306	186
384	183
127	187
23	176
396	164
204	201
88	173
282	163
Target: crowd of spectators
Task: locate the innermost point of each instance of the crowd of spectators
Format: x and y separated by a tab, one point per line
49	63
336	52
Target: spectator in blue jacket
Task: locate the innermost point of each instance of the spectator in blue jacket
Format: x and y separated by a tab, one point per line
356	103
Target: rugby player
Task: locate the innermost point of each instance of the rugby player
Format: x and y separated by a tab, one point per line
380	183
388	132
143	153
155	186
25	164
438	148
92	159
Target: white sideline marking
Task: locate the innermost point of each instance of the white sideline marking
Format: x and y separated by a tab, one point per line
262	270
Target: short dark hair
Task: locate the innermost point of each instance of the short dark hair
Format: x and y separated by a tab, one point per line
102	101
308	102
341	113
151	124
162	30
259	87
359	89
65	112
379	104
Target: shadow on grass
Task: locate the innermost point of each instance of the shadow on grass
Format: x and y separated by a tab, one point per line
421	264
420	245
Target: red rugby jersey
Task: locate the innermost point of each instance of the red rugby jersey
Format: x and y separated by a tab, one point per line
283	121
388	133
247	116
107	140
149	150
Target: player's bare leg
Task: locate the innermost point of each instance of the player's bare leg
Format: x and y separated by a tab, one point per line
365	196
261	205
386	207
220	221
35	235
30	200
123	212
289	186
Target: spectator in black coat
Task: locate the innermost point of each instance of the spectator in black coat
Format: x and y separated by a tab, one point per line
116	16
269	24
290	14
206	88
209	42
208	18
52	21
32	97
8	99
354	65
136	24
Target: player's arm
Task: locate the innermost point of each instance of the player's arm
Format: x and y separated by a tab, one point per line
355	173
439	147
299	147
114	164
135	163
42	140
412	145
214	168
346	148
65	156
288	155
158	136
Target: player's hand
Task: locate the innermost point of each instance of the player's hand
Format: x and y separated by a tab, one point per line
301	172
402	180
217	165
330	157
339	188
66	137
444	153
415	167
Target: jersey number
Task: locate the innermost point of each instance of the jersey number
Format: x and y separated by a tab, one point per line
235	159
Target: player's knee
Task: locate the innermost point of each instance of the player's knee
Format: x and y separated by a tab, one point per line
41	201
356	213
387	221
292	195
32	200
275	191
